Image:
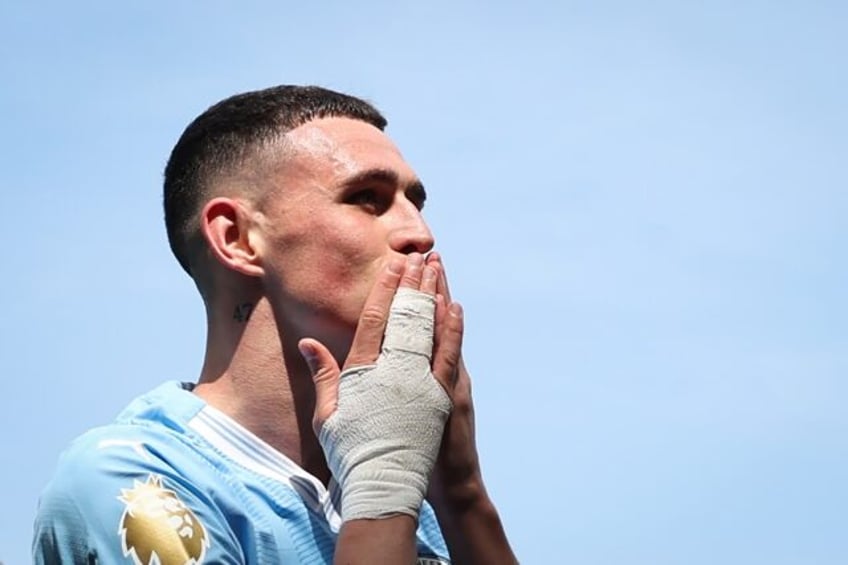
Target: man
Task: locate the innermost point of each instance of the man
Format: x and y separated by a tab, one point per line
332	397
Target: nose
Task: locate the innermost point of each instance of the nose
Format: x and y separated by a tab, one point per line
411	233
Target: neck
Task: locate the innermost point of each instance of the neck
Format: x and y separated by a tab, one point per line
252	374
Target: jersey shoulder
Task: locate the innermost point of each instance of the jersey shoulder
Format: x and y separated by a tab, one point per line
120	495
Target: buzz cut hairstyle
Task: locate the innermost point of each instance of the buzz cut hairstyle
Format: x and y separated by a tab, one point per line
224	137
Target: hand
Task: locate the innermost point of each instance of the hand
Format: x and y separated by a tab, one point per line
468	518
457	481
380	420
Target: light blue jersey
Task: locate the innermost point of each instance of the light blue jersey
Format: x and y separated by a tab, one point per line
174	481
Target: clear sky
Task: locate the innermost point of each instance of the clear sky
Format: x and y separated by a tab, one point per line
642	206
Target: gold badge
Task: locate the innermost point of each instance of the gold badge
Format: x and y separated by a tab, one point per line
157	528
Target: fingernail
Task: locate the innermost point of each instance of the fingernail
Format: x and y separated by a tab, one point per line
455	309
416	260
306	350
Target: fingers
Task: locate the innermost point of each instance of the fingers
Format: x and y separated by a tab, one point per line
439	320
435	260
446	358
429	280
325	375
404	273
413	272
420	274
411	316
414	269
443	299
372	322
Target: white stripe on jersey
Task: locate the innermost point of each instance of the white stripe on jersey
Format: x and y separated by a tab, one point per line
249	451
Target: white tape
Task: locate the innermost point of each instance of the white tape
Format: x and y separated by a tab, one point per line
382	441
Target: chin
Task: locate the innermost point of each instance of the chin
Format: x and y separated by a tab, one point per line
334	322
335	332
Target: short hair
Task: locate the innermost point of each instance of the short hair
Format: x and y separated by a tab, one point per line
224	137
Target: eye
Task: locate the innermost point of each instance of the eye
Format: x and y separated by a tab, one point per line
367	196
370	199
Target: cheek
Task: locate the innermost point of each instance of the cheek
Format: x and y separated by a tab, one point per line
328	265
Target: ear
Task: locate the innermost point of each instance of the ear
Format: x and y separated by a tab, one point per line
226	227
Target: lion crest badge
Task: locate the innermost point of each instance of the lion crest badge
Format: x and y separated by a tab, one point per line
157	528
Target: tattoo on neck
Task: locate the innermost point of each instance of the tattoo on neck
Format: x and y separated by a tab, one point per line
242	312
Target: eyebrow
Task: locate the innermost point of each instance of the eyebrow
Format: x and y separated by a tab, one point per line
414	190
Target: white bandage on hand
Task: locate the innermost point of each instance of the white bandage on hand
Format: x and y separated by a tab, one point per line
382	441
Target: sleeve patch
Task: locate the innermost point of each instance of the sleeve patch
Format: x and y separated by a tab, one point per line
157	528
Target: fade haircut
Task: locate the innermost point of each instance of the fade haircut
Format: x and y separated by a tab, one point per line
224	137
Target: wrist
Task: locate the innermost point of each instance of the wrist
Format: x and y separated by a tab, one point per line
459	497
472	527
381	492
474	508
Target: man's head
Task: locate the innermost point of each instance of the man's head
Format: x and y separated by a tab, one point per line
228	136
295	191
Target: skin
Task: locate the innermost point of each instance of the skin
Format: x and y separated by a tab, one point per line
314	262
392	540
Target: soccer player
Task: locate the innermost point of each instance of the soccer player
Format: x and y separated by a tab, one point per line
332	418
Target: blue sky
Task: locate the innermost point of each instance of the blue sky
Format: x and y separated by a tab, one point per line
642	207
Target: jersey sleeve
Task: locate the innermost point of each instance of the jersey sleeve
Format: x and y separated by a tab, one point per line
131	498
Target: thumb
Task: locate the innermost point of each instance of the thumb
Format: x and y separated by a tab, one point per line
325	374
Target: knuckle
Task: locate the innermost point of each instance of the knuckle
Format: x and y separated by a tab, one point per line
323	374
454	328
451	345
411	278
389	282
372	318
452	357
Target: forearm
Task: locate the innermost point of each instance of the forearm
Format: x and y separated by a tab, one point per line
472	528
389	540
